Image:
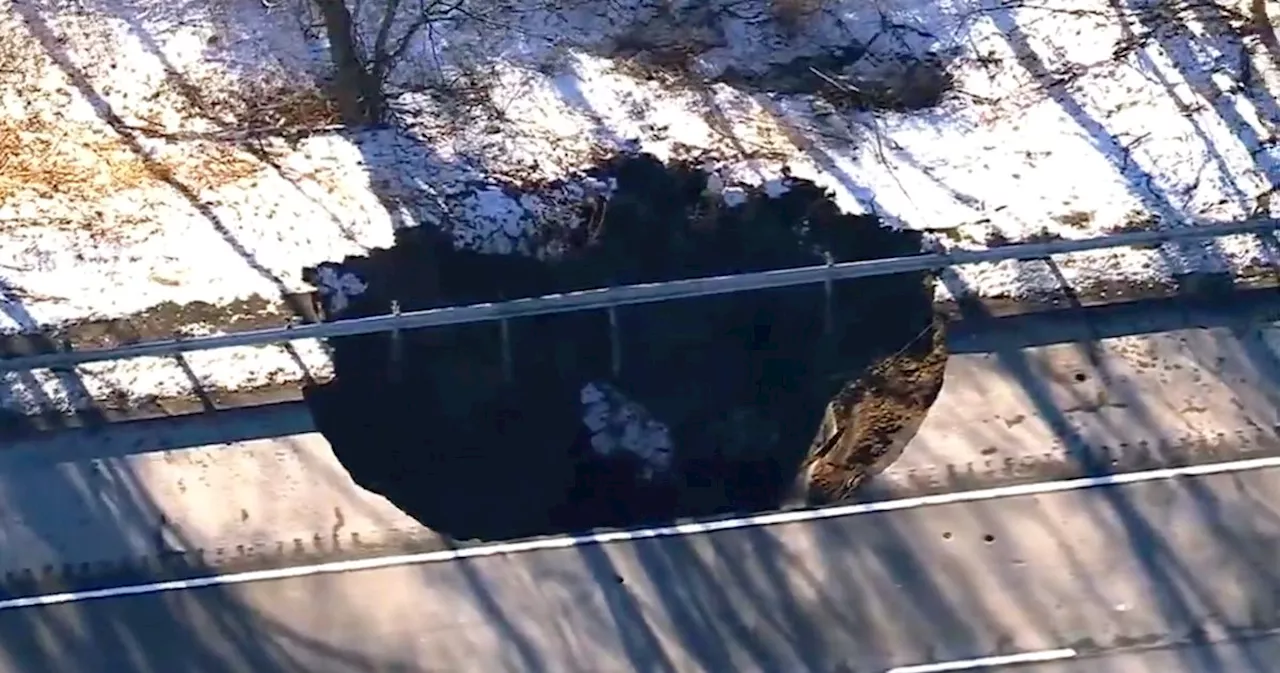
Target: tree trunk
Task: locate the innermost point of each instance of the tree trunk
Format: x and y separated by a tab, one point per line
359	94
1265	29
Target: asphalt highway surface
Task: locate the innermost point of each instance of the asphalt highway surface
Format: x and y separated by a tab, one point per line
1163	571
1104	570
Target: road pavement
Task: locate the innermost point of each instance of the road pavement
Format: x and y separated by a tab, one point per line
1025	398
1245	656
1102	570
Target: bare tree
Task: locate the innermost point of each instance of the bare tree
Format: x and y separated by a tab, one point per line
362	71
354	88
1265	29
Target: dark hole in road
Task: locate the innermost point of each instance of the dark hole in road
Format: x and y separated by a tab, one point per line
740	382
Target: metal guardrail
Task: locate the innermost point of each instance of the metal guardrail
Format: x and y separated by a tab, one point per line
631	294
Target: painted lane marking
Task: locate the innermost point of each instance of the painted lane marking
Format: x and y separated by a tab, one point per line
988	662
691	528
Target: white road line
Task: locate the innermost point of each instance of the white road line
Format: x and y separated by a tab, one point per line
988	662
692	528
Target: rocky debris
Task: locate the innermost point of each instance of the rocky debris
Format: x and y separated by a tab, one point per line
709	404
619	425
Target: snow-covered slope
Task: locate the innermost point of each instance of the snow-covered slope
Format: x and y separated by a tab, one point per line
142	159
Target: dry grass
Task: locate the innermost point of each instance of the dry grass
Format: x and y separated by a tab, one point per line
671	65
222	107
43	159
189	126
266	104
1077	219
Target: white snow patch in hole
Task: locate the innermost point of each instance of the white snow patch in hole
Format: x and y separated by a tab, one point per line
336	287
618	423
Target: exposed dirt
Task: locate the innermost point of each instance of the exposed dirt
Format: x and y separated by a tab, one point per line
899	83
873	416
880	74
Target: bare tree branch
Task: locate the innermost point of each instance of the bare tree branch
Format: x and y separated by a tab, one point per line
384	31
359	97
426	18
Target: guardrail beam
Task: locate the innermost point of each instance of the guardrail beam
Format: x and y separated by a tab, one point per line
627	295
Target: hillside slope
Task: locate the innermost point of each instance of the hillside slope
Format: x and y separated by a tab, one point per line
168	164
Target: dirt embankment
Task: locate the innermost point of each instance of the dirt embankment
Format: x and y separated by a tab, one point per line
869	422
483	436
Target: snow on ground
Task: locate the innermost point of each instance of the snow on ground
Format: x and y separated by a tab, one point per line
121	186
151	379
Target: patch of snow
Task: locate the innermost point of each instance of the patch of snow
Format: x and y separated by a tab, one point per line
618	423
1071	118
336	287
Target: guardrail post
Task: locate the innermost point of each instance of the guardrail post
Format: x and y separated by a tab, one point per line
828	286
395	350
615	342
508	365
